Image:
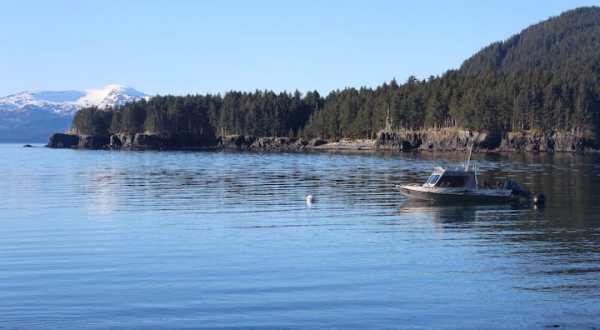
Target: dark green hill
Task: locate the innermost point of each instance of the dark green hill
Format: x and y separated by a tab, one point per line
564	43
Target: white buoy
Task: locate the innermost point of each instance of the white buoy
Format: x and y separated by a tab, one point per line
310	199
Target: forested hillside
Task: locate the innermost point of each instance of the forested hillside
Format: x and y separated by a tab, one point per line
545	78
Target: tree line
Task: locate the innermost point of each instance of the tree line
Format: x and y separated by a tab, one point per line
501	102
260	113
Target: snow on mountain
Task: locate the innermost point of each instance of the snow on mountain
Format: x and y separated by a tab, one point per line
34	115
110	96
46	101
66	103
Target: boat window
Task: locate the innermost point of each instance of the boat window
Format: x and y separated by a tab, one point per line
451	182
432	179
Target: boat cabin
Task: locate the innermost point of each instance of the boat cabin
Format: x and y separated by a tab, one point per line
443	178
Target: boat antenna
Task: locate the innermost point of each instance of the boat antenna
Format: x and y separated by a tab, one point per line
468	161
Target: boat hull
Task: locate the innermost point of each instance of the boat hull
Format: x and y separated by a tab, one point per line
414	192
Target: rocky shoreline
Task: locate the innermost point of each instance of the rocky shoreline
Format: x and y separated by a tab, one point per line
460	140
182	142
394	141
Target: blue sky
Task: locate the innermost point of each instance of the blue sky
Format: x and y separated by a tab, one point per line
181	47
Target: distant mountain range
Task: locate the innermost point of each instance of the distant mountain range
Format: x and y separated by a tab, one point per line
32	116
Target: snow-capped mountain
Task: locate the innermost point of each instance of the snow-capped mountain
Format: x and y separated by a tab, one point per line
110	96
68	102
34	115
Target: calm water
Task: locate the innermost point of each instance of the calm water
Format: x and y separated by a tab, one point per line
100	239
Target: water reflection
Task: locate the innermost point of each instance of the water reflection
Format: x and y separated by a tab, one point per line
559	259
449	213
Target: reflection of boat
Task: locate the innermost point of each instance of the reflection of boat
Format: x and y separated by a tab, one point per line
449	215
460	186
452	212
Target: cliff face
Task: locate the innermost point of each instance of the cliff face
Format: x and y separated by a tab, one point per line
434	140
278	144
460	140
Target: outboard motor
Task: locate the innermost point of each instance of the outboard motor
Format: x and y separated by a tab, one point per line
539	199
516	189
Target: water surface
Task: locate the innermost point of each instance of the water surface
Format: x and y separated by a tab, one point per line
105	239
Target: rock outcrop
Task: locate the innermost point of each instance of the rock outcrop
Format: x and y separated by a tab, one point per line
440	140
137	141
93	141
547	142
460	140
265	144
63	140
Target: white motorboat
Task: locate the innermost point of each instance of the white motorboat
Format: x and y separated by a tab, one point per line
460	186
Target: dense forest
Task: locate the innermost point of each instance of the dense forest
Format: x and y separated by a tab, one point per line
545	78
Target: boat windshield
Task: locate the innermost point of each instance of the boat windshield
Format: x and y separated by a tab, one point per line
451	181
432	179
